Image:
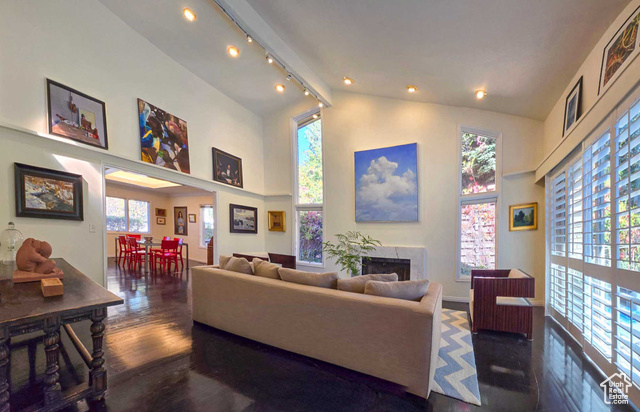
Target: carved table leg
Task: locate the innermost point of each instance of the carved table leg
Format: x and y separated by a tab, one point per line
52	390
4	370
98	374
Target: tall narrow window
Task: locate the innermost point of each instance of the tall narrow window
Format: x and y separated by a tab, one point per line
477	202
559	216
206	224
575	210
597	201
309	190
116	214
138	216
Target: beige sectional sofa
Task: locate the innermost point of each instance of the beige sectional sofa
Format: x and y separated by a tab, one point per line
392	339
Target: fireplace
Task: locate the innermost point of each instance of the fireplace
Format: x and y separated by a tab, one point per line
401	267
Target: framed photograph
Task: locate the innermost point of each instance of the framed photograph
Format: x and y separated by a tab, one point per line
277	222
180	226
48	194
387	184
164	139
620	51
227	168
523	217
76	116
161	220
161	212
243	219
192	218
573	107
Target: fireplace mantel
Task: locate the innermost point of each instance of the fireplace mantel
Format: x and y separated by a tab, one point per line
417	256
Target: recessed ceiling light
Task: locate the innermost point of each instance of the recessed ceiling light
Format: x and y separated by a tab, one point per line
280	88
348	81
249	39
189	14
233	51
269	58
480	94
412	89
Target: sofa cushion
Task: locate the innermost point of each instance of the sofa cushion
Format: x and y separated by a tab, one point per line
265	269
516	273
323	280
407	290
356	284
240	265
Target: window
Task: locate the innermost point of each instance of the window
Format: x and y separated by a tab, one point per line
477	202
598	294
309	190
206	224
559	217
575	210
558	288
628	333
127	215
575	292
597	202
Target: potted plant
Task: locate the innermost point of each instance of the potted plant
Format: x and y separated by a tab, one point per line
352	248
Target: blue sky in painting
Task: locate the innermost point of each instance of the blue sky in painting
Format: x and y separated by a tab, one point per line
386	184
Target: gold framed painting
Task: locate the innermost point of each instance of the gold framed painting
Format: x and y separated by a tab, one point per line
277	222
523	217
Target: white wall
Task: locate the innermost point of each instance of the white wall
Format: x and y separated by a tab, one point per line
594	107
83	45
359	122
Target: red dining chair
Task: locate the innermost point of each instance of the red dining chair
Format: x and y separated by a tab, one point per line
180	241
168	254
135	252
159	249
123	250
138	237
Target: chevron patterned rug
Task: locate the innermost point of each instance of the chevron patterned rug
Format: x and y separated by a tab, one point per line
456	375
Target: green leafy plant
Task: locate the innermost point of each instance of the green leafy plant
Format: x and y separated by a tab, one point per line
351	250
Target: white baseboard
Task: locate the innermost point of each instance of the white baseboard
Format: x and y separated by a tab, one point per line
534	302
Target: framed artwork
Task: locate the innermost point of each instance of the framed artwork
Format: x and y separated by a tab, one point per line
620	51
76	116
180	226
48	194
161	220
227	168
573	107
161	212
164	139
192	218
387	184
277	222
243	219
523	217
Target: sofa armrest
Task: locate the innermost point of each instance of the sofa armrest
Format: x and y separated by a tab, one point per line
487	273
490	288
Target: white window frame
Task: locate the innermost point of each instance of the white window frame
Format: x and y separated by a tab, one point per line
477	198
297	207
202	241
126	214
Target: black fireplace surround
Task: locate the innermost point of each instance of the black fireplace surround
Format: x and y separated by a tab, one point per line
375	265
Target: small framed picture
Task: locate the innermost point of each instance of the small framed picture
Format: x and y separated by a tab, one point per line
161	212
523	217
180	226
243	219
76	116
47	194
573	107
192	218
227	168
161	220
277	222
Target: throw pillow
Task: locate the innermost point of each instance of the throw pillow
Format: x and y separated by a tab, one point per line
240	265
223	261
322	280
265	269
408	290
356	284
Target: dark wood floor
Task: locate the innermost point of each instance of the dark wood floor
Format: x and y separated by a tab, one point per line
158	360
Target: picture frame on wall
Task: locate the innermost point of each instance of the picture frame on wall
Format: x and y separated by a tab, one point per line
180	226
48	194
243	219
76	116
227	168
161	220
620	51
277	221
192	218
523	217
573	107
161	212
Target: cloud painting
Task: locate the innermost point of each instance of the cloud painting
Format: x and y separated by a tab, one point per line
387	184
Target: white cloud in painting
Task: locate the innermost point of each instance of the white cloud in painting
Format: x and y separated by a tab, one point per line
383	195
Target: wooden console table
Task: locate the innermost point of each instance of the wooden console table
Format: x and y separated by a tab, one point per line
23	309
